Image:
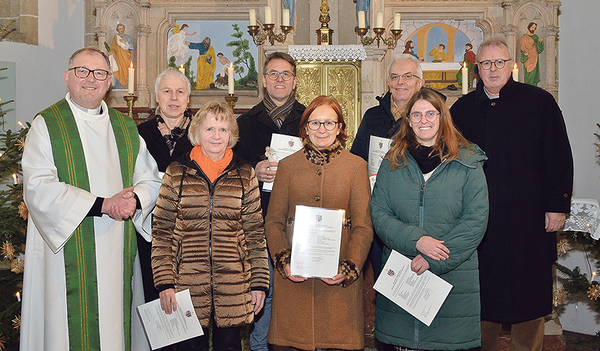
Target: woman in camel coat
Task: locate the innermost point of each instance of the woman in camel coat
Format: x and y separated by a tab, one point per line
310	313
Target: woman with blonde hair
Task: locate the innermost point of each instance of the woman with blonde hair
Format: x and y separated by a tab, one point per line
208	233
430	203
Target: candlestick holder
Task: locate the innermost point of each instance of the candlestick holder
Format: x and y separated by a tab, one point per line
130	98
231	100
266	33
390	41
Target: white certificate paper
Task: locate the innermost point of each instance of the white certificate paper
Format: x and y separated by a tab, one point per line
316	242
420	295
378	147
282	146
166	329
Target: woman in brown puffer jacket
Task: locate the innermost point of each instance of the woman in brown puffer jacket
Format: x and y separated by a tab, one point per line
208	233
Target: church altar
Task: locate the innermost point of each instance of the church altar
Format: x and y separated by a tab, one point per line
439	75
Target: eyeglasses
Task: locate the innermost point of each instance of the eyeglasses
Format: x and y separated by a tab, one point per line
315	125
83	73
431	116
406	77
499	63
285	75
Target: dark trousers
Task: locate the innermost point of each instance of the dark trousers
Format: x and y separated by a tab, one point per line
224	339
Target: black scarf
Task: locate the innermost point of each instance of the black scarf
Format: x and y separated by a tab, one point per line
425	159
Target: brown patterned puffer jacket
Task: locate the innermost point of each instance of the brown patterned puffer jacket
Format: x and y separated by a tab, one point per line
209	238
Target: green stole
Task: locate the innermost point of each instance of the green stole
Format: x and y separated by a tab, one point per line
80	249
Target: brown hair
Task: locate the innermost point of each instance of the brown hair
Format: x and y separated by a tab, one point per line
448	141
222	112
280	56
335	105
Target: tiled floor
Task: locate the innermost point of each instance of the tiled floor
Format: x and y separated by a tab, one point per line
581	342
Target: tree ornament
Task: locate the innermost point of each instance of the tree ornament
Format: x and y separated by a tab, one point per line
563	246
558	296
8	250
17	322
593	292
23	212
17	266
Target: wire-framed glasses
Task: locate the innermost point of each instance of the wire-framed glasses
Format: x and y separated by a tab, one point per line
315	125
83	73
285	75
417	117
406	77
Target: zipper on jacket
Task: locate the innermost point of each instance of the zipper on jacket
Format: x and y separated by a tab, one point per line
421	205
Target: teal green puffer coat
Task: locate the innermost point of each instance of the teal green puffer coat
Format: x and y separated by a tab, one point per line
451	206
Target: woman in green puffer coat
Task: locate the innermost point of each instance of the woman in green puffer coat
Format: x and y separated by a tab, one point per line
430	203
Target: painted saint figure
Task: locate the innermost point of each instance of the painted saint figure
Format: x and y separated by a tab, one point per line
531	47
121	49
206	63
438	53
222	80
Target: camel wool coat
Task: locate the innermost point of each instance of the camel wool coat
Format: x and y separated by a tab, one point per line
312	314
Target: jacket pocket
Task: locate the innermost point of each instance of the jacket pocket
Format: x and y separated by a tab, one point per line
178	256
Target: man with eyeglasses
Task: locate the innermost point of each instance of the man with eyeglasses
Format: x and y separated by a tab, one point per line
530	179
278	112
88	179
404	80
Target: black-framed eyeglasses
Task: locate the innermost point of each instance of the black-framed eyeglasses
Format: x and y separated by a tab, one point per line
83	73
285	75
406	77
315	125
417	117
499	63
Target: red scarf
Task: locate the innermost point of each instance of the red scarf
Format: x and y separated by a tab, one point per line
211	168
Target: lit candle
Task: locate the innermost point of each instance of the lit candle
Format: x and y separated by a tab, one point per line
515	73
361	19
268	19
14	177
252	13
285	20
397	20
18	295
230	81
379	20
465	78
131	76
181	68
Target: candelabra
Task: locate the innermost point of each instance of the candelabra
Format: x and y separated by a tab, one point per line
259	36
130	98
368	40
231	100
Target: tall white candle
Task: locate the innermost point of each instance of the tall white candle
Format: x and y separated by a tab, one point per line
361	19
397	20
515	73
230	80
252	13
130	89
379	20
268	18
465	78
285	19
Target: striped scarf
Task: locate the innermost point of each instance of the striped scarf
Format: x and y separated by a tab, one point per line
279	113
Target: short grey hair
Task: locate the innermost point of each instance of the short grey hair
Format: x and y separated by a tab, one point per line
495	41
410	57
172	72
91	50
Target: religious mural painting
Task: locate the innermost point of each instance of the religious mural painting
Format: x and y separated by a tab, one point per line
442	47
204	49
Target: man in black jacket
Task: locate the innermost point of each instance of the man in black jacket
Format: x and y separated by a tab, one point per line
405	78
278	112
530	180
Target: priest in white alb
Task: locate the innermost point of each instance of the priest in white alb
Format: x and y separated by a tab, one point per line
88	179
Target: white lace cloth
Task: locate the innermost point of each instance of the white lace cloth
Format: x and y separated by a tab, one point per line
584	217
328	53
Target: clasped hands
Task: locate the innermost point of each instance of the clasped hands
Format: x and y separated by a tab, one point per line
432	248
120	206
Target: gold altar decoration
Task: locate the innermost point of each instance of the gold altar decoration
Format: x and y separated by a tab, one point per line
324	33
130	98
368	40
341	80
